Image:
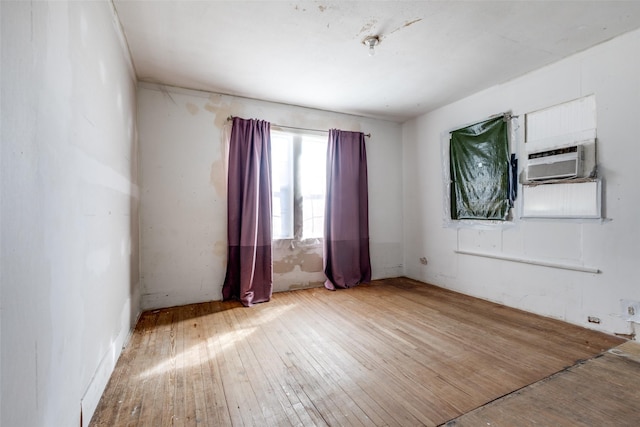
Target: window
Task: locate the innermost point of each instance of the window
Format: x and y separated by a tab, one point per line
481	171
298	163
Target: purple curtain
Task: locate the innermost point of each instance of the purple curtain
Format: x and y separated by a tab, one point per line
249	275
346	227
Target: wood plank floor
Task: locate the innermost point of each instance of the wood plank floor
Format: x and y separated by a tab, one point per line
602	391
392	353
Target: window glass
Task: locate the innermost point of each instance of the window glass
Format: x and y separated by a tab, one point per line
313	154
298	184
282	185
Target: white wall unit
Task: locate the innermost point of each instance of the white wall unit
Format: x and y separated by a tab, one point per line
69	209
562	200
610	73
561	124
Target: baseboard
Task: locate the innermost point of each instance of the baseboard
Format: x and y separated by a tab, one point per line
98	383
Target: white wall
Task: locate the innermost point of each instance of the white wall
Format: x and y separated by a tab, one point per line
183	195
69	285
610	71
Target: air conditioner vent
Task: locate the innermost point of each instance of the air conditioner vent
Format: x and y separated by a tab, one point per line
552	153
558	163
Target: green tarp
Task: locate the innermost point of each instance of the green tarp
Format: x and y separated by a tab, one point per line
479	163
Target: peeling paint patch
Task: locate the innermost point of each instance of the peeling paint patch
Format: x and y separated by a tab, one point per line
302	261
283	266
311	263
193	108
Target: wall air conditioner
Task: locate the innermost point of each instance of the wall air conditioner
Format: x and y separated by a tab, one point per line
559	163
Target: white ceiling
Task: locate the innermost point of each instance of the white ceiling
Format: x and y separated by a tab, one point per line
310	53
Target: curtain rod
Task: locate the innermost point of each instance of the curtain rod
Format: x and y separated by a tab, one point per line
368	135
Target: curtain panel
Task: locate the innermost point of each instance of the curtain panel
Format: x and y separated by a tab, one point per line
249	276
346	230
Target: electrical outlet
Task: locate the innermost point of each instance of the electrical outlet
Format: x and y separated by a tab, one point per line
630	310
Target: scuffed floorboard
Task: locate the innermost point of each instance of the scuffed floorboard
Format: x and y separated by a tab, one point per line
602	391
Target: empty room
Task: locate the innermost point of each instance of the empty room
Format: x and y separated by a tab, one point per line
319	213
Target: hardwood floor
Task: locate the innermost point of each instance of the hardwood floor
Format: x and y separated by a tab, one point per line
602	391
396	352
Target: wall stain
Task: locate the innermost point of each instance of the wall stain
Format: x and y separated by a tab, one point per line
218	178
282	267
220	249
220	106
193	108
223	106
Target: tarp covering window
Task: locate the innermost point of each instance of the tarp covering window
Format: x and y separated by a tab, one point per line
480	171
